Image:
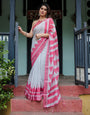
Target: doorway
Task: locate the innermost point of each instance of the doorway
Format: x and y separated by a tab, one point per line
33	5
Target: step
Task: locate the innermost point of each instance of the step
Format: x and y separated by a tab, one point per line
64	90
74	90
45	113
67	104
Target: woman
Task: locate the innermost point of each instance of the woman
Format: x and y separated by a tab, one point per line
44	74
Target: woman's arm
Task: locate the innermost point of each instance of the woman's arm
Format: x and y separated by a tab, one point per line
29	35
45	35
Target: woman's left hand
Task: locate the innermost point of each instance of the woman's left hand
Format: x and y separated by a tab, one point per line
38	36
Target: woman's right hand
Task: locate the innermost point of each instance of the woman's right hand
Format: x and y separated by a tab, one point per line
19	29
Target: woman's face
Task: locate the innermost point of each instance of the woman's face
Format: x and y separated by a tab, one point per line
43	11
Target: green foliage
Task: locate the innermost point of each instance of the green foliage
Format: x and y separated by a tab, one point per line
7	71
6	66
6	93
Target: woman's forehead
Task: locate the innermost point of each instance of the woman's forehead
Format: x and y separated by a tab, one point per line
43	6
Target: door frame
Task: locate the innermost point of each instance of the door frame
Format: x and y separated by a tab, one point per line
30	6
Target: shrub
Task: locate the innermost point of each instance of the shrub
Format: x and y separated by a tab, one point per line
7	71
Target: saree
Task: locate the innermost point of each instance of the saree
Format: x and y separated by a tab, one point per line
44	74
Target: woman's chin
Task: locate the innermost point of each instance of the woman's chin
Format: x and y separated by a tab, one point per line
42	15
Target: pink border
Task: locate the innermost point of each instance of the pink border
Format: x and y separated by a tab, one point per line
46	101
40	49
46	72
37	23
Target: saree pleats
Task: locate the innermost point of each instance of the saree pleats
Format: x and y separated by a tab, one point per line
44	75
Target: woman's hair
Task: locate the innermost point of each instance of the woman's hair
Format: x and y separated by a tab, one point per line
48	8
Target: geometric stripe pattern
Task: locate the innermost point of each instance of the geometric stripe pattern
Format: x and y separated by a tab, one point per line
51	90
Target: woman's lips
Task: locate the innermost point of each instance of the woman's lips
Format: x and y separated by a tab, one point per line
42	12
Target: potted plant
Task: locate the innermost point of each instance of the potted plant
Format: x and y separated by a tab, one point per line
7	72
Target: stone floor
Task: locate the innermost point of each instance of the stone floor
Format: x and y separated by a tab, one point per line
63	80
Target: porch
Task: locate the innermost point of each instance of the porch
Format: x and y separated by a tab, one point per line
70	103
63	80
67	54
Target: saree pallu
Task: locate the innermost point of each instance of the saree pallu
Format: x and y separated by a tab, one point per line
44	74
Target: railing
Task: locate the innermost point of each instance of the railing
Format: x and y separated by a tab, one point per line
88	52
82	56
4	36
16	55
88	44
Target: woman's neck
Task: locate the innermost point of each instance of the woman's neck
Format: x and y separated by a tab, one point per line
42	18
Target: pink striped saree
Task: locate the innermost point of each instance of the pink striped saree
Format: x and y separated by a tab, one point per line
44	75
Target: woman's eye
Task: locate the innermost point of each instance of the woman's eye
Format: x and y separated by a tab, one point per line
45	9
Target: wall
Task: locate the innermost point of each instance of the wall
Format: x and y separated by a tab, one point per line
68	39
85	104
22	46
4	27
67	34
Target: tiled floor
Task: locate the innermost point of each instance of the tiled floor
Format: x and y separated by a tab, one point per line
63	80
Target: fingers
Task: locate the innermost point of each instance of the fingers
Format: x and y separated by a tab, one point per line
37	36
19	28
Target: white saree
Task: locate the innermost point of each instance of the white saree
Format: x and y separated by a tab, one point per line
44	74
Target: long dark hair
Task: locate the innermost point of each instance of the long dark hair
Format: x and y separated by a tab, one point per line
48	8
